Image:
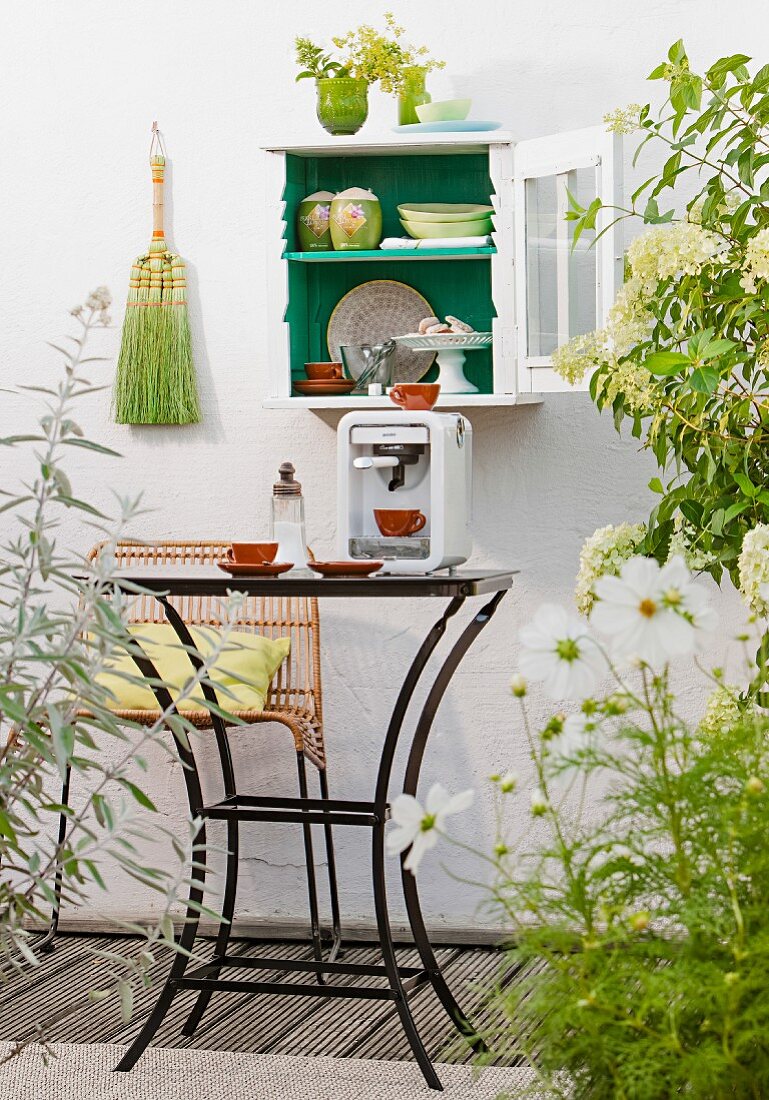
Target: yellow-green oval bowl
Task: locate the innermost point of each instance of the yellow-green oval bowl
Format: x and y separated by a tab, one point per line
429	230
444	211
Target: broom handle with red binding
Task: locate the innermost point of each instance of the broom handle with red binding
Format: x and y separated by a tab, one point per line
158	166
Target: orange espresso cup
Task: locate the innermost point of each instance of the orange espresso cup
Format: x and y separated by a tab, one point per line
415	396
317	371
399	522
252	553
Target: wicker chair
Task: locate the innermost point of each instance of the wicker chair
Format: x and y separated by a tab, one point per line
294	698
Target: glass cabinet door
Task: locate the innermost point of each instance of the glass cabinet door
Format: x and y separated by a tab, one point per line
562	290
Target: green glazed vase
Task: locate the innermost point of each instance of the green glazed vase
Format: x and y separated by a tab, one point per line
356	220
342	106
412	94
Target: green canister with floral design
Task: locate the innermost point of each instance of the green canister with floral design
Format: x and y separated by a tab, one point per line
356	220
312	222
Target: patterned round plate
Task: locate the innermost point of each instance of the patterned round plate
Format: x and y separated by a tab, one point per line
376	311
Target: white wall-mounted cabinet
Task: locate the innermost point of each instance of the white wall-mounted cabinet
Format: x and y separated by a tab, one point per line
532	289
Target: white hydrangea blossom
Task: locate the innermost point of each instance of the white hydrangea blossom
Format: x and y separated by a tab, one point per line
728	205
603	554
668	252
756	261
635	383
681	546
623	120
754	569
665	252
722	711
629	321
582	354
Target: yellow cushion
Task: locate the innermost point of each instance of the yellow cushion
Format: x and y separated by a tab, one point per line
245	668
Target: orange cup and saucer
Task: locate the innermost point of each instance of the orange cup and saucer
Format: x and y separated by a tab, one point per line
415	396
253	559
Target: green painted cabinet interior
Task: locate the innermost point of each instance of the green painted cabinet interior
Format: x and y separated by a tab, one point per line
459	287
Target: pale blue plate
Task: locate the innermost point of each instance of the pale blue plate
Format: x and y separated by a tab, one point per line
453	126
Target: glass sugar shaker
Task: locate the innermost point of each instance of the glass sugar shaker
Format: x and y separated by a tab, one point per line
287	518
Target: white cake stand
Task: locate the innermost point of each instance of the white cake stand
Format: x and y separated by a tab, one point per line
451	348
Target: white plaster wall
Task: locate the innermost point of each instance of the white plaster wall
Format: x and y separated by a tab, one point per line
80	83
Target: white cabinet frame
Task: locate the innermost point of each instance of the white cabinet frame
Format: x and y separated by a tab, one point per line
517	378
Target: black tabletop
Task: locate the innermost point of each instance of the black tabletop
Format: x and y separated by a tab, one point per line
205	581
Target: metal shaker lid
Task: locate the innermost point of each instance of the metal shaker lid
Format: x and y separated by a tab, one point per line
287	486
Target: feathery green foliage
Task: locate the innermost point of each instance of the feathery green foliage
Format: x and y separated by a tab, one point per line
61	622
643	939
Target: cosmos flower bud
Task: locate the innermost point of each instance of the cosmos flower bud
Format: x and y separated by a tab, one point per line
518	686
538	803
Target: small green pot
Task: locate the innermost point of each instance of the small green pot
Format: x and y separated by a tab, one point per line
413	94
342	104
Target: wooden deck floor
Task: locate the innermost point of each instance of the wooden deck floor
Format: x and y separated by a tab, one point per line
258	1024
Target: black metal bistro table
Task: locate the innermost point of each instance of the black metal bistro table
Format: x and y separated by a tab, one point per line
236	807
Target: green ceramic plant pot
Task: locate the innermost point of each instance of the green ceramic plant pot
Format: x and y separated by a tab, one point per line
356	220
413	94
312	222
342	104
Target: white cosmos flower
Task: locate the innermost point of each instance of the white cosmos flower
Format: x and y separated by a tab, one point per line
575	734
653	613
577	729
419	828
558	649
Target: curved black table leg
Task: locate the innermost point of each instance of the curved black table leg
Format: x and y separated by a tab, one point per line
197	879
390	962
378	840
411	781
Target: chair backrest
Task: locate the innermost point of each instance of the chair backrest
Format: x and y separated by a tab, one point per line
297	683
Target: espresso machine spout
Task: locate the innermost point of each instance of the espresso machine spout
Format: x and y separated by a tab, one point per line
374	462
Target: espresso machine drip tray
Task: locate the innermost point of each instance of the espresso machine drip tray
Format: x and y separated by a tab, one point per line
379	548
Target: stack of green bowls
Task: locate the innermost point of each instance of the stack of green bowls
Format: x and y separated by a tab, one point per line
429	220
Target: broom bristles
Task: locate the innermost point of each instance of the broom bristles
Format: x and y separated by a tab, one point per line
155	381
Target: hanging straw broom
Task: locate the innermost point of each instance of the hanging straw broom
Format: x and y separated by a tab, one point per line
155	381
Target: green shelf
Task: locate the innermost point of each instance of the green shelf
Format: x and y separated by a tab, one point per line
317	281
391	254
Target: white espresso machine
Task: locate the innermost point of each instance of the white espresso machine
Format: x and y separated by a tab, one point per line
401	459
